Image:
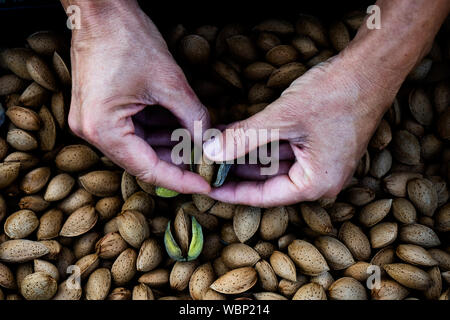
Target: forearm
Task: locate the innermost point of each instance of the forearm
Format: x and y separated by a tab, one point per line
101	16
408	28
101	7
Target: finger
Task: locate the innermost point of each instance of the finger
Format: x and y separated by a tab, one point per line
247	135
165	154
276	191
185	105
253	171
139	159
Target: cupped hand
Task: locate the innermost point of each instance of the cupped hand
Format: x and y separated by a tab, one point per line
121	66
327	116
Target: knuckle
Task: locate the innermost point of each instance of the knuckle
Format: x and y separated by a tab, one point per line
90	129
74	124
202	114
83	124
310	189
148	177
238	135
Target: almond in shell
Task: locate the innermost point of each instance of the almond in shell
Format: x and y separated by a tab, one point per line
307	258
16	61
21	140
317	218
236	281
133	227
274	222
46	42
79	222
419	234
38	286
355	240
21	250
310	291
246	222
150	255
266	275
181	274
389	290
61	70
201	279
98	284
41	73
59	187
8	173
238	255
102	183
374	212
47	132
124	267
409	276
75	158
24	118
142	292
34	96
423	195
110	246
21	224
335	252
383	234
58	108
283	266
285	75
415	255
347	288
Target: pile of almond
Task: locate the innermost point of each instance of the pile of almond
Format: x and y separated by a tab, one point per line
75	226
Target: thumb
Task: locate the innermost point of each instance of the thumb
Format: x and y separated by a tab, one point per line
243	137
184	104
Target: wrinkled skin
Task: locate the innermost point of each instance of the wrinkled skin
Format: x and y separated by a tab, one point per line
121	64
329	114
127	62
328	134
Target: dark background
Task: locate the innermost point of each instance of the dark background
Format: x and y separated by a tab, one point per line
19	18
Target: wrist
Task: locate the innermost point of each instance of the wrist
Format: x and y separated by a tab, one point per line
405	35
98	18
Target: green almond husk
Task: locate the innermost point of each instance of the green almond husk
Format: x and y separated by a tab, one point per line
222	174
172	248
165	193
196	246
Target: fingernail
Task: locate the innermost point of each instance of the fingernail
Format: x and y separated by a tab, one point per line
203	188
212	147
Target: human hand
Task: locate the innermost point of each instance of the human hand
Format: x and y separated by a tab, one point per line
121	66
327	116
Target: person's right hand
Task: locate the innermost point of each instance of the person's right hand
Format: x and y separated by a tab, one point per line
121	66
328	116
